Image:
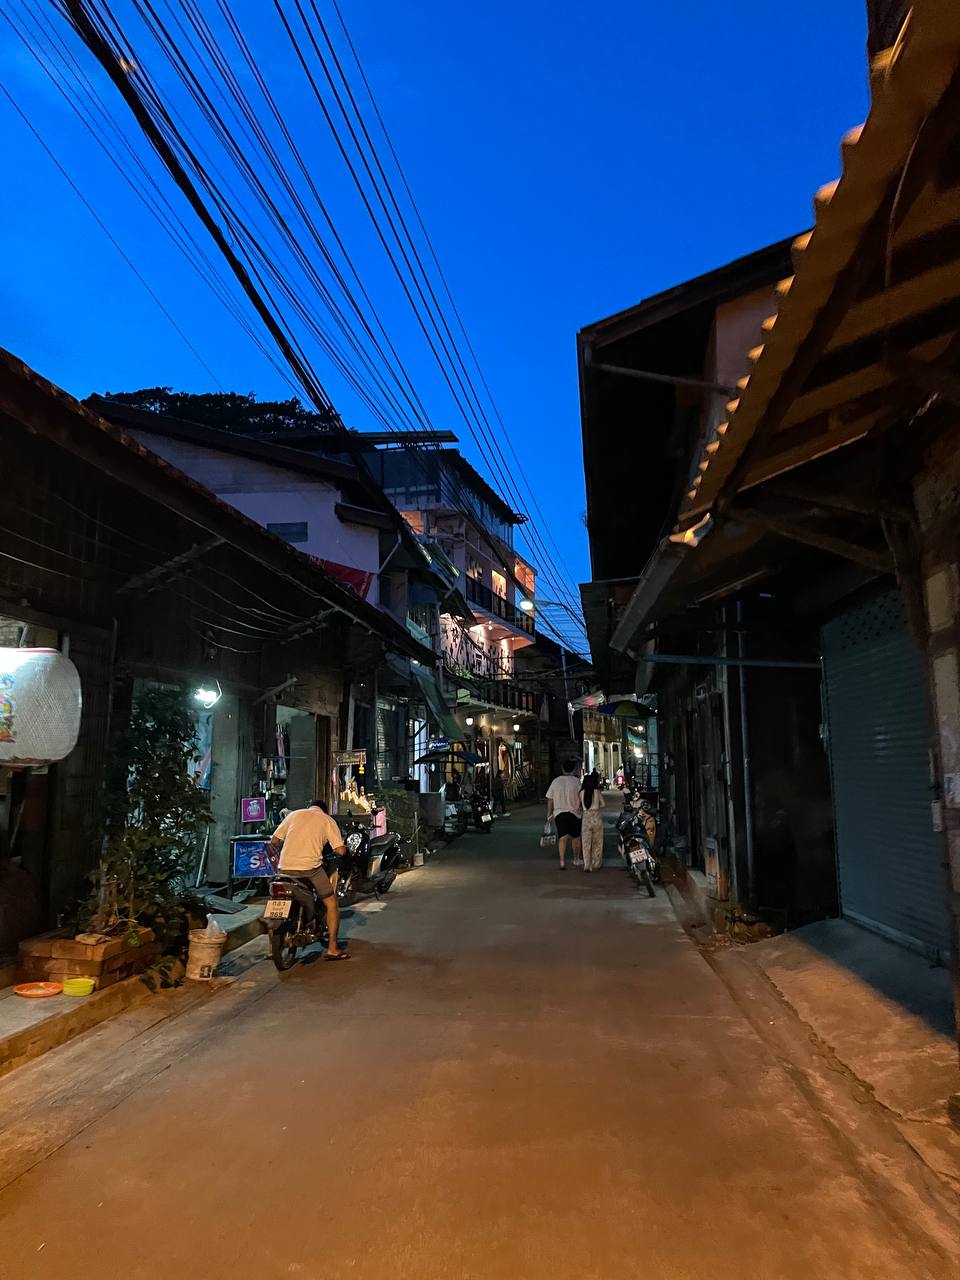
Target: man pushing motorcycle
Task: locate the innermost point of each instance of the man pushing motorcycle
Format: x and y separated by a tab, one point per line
301	837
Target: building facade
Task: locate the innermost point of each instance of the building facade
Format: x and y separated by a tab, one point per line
142	576
811	559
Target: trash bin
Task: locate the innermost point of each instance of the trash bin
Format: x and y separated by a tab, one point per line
203	956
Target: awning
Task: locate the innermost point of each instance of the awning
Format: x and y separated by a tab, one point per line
438	709
878	277
865	335
456	755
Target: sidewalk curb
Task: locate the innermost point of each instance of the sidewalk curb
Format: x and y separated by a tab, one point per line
33	1042
912	1191
24	1046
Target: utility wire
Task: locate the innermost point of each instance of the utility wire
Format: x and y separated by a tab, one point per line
203	102
443	279
106	231
446	337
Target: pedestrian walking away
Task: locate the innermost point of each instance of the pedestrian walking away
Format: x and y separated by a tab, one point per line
499	792
591	798
564	808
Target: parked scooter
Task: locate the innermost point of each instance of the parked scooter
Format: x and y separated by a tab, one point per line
370	864
641	862
294	917
480	813
636	835
456	813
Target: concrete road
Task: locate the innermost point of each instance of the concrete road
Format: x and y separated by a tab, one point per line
521	1073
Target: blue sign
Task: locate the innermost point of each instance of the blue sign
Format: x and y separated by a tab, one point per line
438	744
253	857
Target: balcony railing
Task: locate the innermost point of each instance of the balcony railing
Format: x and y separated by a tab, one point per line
504	693
479	594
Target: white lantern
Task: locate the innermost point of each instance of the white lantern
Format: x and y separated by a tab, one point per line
39	706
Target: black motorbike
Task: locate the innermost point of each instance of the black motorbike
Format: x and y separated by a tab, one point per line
480	814
635	848
641	862
370	864
294	917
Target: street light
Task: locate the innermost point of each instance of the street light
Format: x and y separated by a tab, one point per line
528	604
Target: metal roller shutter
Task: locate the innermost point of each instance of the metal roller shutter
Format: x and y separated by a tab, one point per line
879	737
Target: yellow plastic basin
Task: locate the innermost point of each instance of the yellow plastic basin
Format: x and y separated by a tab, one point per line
78	986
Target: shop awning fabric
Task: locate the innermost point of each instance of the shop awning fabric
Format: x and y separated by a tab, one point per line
439	711
453	755
865	332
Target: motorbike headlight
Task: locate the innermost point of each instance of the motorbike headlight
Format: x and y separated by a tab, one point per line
353	841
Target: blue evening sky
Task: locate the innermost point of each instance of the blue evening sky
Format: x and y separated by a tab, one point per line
569	160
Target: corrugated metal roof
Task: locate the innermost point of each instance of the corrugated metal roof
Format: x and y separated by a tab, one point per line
845	392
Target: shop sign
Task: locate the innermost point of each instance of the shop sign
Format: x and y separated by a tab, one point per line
253	809
350	757
253	857
438	744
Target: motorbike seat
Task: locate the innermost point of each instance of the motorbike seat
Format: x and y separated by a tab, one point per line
378	842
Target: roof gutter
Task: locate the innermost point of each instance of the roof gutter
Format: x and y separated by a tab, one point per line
661	567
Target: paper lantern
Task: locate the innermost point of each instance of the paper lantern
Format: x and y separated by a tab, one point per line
39	706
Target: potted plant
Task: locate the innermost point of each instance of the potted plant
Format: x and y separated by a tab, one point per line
154	815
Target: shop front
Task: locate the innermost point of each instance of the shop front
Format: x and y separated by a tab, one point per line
878	739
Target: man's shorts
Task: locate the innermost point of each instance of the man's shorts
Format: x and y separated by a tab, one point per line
568	824
317	877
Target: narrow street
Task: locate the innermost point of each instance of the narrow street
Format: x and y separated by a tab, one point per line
521	1073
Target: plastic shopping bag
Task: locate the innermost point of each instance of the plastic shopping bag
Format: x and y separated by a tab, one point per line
549	837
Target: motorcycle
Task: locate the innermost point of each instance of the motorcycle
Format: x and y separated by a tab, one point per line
641	863
294	917
481	814
370	864
455	813
636	832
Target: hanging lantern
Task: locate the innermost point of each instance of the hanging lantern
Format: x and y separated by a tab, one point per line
39	706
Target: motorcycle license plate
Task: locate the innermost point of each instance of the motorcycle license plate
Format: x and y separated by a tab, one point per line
485	817
277	909
637	855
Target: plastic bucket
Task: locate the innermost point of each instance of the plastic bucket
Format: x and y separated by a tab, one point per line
79	986
204	955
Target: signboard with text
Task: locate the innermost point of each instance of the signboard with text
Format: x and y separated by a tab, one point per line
253	857
253	809
350	757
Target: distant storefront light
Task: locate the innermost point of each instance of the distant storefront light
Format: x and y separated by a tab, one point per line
469	721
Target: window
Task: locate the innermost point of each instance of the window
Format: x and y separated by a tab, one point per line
296	531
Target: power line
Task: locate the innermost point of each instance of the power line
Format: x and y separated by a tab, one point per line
484	425
166	130
109	59
106	231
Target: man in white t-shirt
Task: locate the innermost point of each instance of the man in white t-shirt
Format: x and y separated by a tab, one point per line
564	808
302	836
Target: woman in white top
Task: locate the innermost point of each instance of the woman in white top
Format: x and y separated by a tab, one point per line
593	806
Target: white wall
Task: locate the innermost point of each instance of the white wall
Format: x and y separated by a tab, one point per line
275	495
